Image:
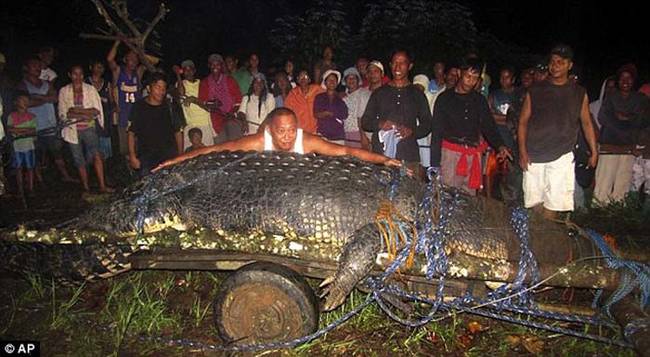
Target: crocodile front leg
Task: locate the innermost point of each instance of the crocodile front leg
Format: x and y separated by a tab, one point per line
355	262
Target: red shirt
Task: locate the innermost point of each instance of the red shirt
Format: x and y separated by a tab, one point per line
218	118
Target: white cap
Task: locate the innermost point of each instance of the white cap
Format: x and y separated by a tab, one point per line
377	64
328	73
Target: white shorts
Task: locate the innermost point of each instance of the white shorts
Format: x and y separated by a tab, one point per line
551	184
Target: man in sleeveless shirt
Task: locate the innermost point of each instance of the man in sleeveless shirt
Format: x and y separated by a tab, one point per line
551	116
282	134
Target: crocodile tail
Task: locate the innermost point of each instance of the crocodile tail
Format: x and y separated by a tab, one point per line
70	263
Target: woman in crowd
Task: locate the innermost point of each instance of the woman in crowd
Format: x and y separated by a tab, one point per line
330	110
301	101
356	99
257	104
281	88
620	118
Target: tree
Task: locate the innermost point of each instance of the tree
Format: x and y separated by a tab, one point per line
440	29
304	37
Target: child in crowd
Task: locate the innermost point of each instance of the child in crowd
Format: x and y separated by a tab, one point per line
196	137
23	123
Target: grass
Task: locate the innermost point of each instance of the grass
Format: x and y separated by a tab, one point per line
199	311
134	307
62	314
624	218
175	305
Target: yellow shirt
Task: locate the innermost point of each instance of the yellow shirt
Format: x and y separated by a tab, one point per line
194	115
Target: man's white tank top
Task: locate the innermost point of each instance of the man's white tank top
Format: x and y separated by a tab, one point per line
297	146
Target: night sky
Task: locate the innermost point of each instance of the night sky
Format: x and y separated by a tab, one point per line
603	36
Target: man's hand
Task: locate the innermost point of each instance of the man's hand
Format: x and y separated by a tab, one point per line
404	132
386	125
168	163
593	160
523	160
622	116
393	163
241	118
213	105
134	162
324	114
398	164
504	153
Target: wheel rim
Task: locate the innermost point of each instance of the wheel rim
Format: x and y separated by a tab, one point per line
256	312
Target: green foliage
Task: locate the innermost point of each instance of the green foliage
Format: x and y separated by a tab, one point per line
62	314
625	217
430	30
199	311
304	37
37	288
133	308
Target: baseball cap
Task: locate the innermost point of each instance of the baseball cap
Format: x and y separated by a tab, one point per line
215	57
188	63
377	64
422	80
563	51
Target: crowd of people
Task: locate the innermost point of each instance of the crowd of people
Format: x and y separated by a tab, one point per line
534	138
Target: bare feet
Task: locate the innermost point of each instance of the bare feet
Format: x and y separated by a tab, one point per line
69	179
107	189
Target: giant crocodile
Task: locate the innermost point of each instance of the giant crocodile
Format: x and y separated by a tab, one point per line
304	206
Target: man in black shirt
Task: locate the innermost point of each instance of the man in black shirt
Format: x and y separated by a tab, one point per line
398	114
153	135
460	117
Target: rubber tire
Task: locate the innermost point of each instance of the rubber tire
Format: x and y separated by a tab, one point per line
285	306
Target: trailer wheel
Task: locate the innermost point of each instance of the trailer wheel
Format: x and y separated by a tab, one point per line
263	303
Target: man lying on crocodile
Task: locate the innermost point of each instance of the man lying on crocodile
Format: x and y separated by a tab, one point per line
282	134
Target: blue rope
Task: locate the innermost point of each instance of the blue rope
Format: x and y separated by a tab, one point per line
527	263
633	274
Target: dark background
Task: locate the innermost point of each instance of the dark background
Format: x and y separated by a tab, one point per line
604	35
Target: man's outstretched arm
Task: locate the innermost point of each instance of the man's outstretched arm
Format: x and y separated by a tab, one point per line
317	145
246	143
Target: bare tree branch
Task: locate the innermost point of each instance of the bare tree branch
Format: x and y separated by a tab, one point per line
107	17
135	39
122	13
93	36
162	11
